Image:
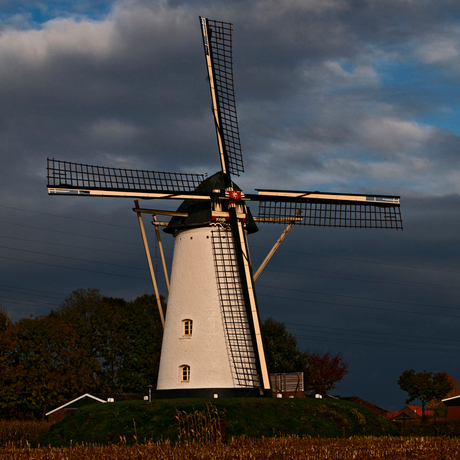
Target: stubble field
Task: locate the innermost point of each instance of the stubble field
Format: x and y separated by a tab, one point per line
291	447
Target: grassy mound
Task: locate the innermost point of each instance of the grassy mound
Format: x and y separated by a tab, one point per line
136	421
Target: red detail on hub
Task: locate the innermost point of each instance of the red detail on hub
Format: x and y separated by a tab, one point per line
234	195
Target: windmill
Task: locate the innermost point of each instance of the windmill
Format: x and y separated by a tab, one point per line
212	342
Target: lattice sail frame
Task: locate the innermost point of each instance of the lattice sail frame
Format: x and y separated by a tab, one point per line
217	40
78	176
357	212
332	214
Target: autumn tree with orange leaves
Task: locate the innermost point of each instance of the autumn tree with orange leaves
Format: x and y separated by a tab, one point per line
325	372
92	343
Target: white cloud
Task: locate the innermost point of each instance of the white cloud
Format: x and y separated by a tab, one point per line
439	50
269	10
360	75
392	134
57	37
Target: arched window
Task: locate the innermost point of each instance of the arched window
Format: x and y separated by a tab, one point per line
184	373
187	325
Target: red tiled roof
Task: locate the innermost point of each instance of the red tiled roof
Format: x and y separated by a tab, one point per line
416	409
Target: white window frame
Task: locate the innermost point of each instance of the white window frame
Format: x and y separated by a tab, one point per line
184	373
187	327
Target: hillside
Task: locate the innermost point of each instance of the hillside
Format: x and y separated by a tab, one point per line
253	417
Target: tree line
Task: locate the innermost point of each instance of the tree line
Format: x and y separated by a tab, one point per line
98	344
91	343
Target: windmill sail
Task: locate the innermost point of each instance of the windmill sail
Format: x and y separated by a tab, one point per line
327	214
217	42
65	177
328	209
317	209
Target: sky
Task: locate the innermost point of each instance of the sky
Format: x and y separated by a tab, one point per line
332	95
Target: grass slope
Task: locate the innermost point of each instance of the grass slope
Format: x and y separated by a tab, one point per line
252	417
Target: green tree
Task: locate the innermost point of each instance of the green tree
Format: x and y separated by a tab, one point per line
425	386
8	366
321	371
100	323
436	405
113	331
132	344
84	309
142	345
281	351
91	343
51	367
8	340
124	338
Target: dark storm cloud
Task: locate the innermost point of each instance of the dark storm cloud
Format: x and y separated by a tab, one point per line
96	89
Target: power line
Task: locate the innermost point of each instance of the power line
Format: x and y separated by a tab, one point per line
255	246
68	217
360	306
280	249
363	261
70	258
65	245
376	337
73	268
68	233
359	298
13	291
382	344
338	330
364	278
39	304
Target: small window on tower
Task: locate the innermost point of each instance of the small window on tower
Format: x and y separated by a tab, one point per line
185	373
187	325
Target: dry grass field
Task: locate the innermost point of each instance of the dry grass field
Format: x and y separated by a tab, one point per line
20	432
200	434
291	447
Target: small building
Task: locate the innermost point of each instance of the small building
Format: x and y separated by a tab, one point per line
287	385
413	413
61	412
372	407
453	407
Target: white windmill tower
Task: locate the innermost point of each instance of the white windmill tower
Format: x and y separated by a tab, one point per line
212	342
